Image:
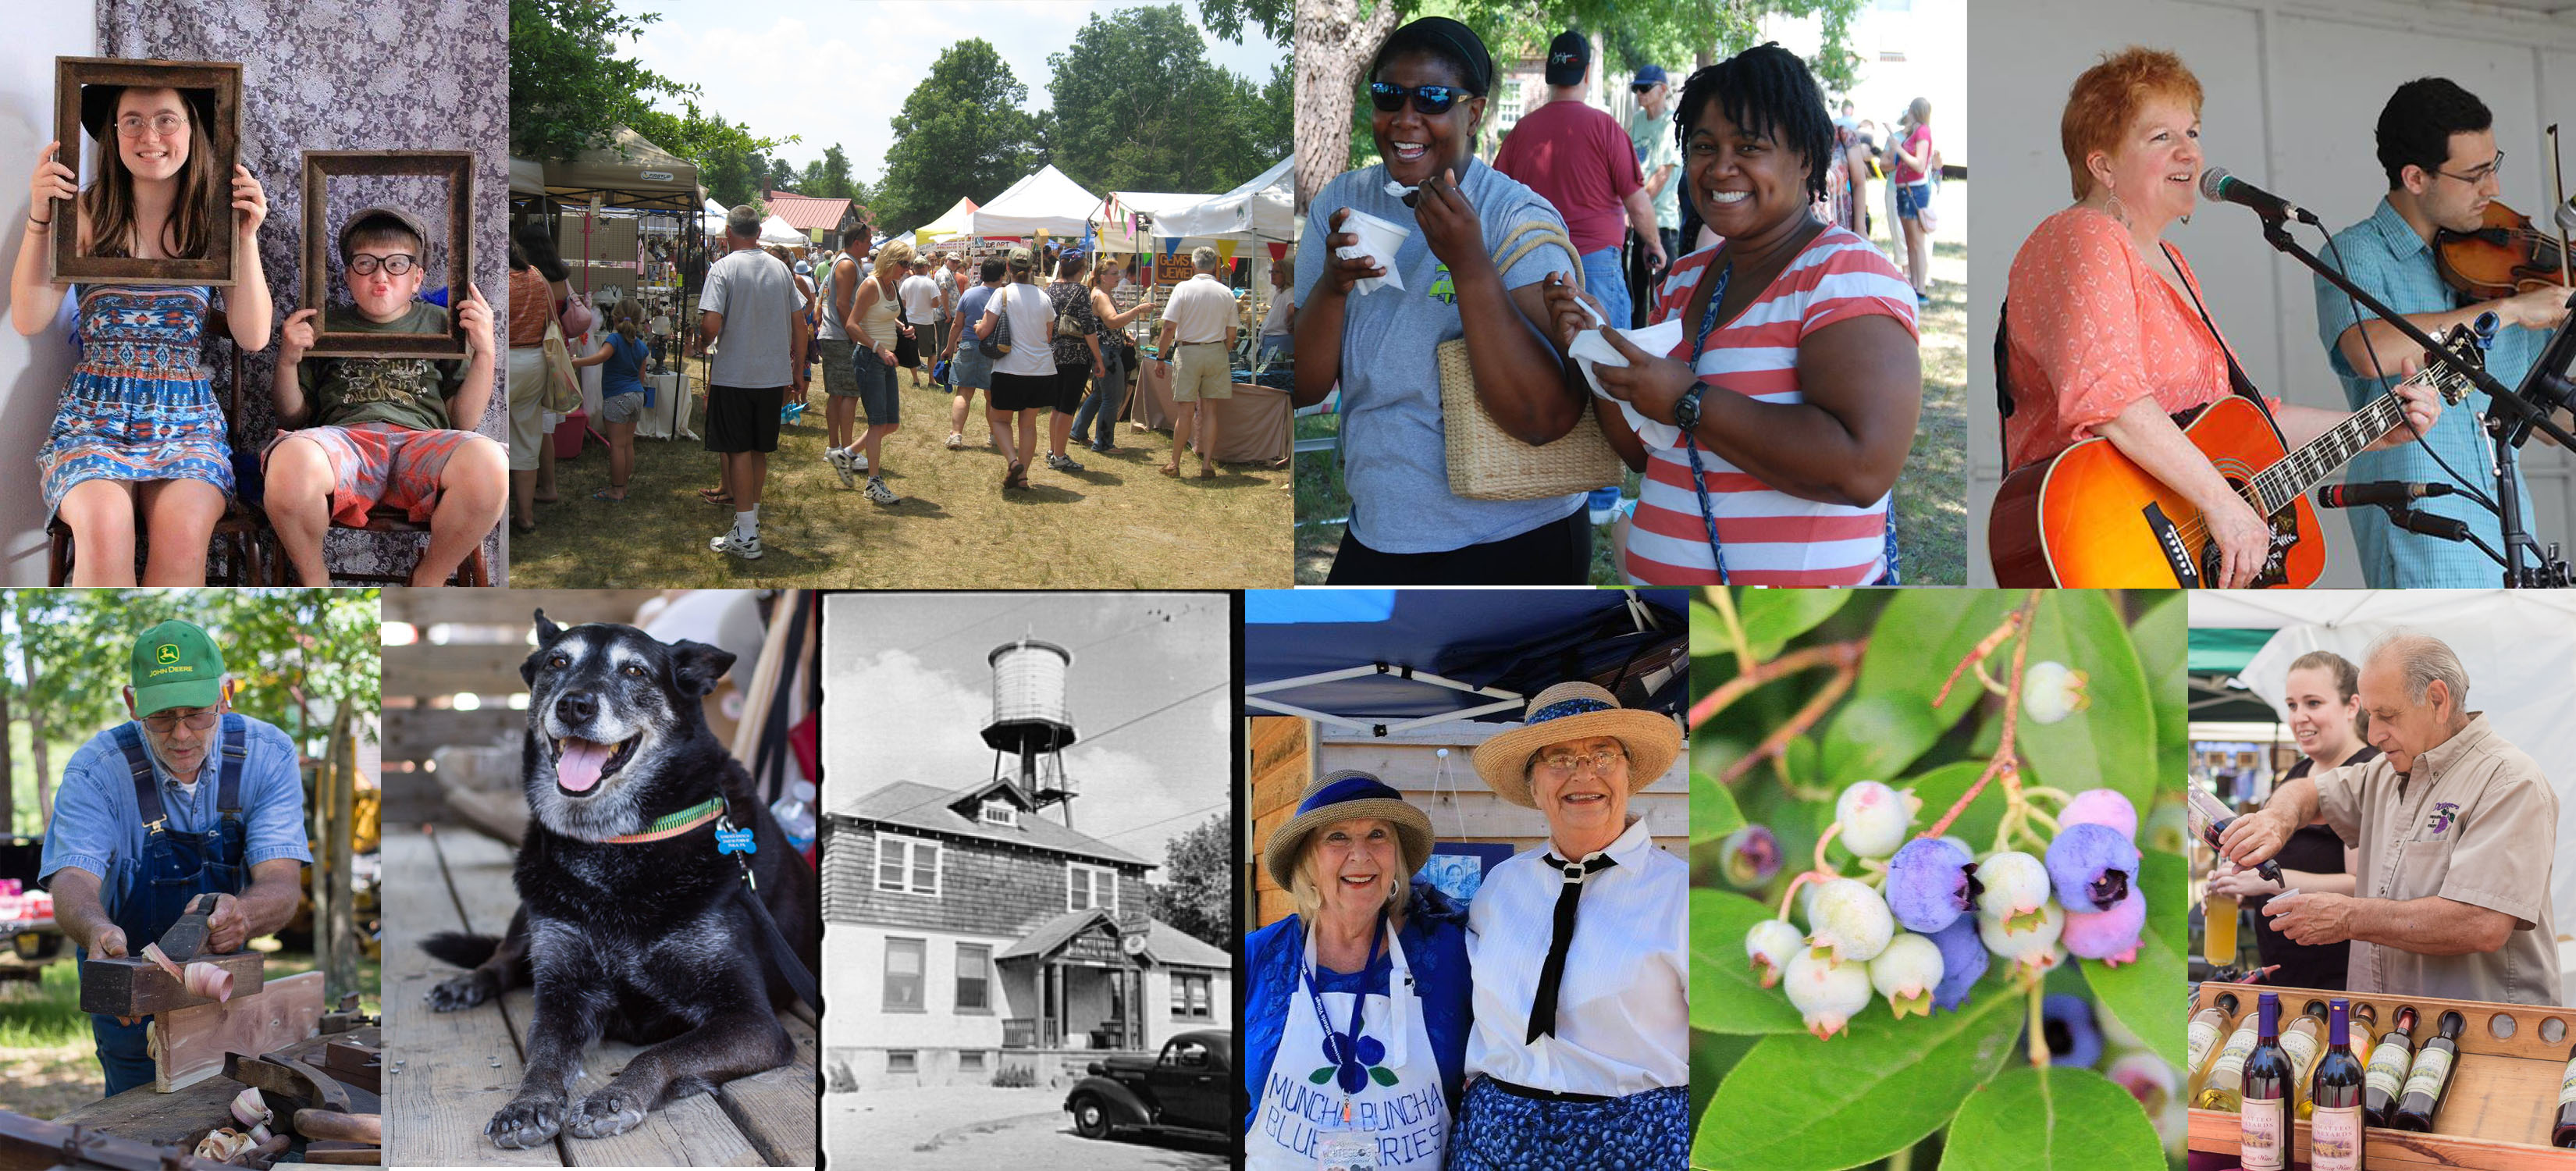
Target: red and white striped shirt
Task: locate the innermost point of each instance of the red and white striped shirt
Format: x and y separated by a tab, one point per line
1771	538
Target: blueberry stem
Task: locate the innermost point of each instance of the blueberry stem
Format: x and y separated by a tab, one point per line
2038	1026
1839	655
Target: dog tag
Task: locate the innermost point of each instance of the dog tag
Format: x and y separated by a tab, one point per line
735	841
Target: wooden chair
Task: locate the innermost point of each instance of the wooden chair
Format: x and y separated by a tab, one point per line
242	532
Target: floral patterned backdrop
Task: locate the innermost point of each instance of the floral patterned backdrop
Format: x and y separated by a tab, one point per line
417	75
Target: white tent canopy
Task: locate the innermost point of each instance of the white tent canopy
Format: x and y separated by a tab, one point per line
1044	202
956	221
2519	647
1260	209
775	230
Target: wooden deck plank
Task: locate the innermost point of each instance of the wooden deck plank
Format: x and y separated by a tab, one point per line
446	1089
777	1109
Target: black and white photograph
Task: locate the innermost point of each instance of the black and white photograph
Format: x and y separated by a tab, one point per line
1027	892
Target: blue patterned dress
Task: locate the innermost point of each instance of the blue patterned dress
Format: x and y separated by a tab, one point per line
140	406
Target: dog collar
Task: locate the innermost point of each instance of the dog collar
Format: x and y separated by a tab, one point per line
672	825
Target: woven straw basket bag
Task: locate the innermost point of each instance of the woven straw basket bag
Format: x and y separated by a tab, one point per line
1487	462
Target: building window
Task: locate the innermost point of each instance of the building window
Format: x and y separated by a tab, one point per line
903	977
1086	887
907	865
1191	996
974	977
903	1061
970	1061
1000	813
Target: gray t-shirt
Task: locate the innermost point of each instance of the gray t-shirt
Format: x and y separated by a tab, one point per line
759	300
829	327
1394	460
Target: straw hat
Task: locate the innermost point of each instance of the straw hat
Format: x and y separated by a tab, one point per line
1577	711
1342	796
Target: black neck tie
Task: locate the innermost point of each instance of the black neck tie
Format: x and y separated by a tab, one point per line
1551	975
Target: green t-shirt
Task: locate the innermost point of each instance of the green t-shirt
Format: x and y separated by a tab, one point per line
408	392
1654	136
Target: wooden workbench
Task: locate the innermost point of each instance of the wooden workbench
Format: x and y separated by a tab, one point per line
449	1085
147	1115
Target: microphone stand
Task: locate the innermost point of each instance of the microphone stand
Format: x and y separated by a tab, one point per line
2508	433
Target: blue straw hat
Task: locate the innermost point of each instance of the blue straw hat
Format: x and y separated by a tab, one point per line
1342	796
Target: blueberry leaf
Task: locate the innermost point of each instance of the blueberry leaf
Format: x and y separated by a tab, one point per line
2034	1119
1321	1076
2162	647
1381	1075
1707	633
1713	814
2140	995
2112	743
1725	995
1772	617
1798	1104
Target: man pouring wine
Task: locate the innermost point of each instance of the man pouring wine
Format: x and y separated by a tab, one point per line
2455	829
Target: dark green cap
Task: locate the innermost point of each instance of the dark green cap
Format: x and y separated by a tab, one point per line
176	665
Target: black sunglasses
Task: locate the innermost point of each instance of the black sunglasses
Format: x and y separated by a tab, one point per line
1432	100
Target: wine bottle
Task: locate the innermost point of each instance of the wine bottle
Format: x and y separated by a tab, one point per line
2385	1076
2334	1137
2365	1031
2207	1026
2268	868
2220	1086
2564	1134
2304	1040
2430	1079
2263	1110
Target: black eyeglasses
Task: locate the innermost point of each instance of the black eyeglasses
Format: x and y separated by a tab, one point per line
1432	100
1641	89
366	263
2478	175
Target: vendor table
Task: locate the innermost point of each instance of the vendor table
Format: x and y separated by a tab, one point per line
2503	1098
1253	425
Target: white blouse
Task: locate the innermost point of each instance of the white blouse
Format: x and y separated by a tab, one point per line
1623	1011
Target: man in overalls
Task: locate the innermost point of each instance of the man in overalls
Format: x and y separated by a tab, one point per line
137	834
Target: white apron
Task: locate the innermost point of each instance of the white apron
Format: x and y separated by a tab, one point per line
1409	1119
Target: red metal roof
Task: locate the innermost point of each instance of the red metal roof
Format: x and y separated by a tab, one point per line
804	212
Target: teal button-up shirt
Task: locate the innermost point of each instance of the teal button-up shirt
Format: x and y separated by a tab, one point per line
2383	255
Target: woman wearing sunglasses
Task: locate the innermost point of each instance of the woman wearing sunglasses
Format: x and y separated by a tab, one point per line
1772	434
1427	92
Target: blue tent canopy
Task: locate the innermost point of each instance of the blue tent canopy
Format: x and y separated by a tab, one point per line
1381	658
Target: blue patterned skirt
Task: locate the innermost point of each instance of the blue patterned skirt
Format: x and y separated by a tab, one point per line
1501	1131
139	406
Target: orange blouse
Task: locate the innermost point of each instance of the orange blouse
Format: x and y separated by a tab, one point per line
532	305
2092	329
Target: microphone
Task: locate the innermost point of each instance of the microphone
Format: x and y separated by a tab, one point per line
2216	184
2449	528
2395	492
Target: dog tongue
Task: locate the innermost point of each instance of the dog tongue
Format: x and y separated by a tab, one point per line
578	768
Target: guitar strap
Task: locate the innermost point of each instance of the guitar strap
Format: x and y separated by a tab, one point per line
2236	379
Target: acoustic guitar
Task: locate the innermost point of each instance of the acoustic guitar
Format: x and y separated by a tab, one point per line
2089	517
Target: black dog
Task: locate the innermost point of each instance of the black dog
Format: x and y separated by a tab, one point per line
652	943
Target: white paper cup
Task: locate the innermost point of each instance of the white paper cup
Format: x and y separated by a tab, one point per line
1379	238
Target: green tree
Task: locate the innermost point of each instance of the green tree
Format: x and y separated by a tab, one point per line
829	178
730	159
1139	107
568	87
961	133
1197	891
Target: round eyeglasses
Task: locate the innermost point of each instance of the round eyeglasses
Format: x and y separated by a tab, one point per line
366	263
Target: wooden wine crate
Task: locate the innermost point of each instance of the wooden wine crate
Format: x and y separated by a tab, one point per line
2504	1090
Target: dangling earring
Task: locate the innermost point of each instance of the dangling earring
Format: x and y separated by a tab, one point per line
2113	206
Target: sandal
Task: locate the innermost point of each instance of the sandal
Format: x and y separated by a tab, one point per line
519	526
602	494
715	496
1172	470
1017	477
1206	472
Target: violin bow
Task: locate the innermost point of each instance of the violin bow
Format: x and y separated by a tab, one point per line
2558	194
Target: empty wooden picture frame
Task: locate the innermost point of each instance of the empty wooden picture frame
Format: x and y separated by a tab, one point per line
322	241
212	86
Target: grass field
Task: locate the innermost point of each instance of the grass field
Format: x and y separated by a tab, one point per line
1116	524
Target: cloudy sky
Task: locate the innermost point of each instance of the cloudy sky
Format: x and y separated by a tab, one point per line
838	70
907	691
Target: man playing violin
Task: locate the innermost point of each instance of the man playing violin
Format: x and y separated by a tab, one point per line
2437	143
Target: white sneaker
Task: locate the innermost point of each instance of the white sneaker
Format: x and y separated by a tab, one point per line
840	461
747	548
956	442
858	459
877	491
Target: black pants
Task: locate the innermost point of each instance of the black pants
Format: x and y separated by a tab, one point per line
1556	553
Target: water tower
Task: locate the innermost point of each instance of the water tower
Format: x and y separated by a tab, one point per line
1030	720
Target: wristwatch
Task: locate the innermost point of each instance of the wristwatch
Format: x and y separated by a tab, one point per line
1686	411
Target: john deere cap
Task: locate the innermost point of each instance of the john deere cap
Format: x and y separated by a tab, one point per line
176	665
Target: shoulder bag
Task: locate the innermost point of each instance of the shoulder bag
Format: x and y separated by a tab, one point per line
1487	462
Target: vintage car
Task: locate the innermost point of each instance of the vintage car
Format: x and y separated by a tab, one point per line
1187	1089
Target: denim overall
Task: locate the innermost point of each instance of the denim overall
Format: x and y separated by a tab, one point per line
172	869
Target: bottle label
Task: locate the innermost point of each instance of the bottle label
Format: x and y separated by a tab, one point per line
2334	1139
2231	1060
2432	1067
2203	1033
2567	1085
2264	1129
2387	1069
2301	1048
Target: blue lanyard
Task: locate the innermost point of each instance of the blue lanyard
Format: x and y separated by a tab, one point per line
1315	995
1690	440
